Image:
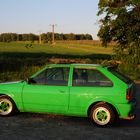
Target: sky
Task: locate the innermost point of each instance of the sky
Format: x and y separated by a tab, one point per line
36	16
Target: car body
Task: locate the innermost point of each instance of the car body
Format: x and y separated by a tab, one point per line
85	90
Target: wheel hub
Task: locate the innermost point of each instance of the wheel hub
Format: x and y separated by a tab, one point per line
4	106
102	115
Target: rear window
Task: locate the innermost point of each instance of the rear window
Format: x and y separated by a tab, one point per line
120	75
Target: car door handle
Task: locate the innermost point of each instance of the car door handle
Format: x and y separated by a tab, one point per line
61	91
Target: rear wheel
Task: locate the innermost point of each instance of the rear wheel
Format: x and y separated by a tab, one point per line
7	106
102	114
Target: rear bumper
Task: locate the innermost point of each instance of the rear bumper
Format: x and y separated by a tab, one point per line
128	111
129	117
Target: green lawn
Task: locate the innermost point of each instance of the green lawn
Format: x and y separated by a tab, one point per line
58	48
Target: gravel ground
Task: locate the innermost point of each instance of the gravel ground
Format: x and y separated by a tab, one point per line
28	126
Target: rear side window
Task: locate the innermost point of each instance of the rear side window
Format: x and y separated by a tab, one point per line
89	77
120	75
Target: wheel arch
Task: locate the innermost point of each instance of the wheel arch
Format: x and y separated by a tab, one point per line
103	102
10	97
4	94
1	94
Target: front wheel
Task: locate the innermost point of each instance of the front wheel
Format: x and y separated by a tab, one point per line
7	106
102	114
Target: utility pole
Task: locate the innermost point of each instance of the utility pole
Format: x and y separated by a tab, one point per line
53	25
17	37
40	40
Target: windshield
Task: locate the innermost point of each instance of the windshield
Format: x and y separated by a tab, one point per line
120	75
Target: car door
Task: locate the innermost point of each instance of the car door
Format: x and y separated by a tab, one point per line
48	91
87	85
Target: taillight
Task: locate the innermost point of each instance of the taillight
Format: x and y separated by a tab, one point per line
129	94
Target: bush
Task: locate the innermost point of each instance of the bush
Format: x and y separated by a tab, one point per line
131	70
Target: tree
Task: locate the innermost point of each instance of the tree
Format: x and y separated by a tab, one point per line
121	24
44	38
8	37
88	37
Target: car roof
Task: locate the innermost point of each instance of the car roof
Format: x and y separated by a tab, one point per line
84	65
76	64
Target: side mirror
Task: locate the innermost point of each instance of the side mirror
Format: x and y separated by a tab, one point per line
27	80
30	81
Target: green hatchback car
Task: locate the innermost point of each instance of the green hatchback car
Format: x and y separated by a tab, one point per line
84	90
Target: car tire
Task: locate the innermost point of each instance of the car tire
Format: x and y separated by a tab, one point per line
102	114
7	106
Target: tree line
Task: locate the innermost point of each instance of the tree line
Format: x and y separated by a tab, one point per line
45	37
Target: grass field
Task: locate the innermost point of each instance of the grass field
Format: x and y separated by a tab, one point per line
19	60
72	48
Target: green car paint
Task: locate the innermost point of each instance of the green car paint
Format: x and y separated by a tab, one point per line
54	90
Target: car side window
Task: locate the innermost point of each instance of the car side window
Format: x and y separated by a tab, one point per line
90	77
53	76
